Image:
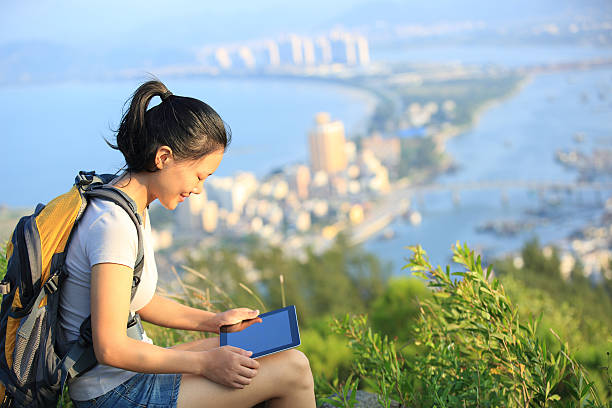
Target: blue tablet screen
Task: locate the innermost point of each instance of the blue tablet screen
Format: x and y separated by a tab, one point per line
274	333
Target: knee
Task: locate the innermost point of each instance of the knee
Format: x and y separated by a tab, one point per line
300	375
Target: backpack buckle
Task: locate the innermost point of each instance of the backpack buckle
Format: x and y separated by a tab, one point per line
5	288
85	179
51	285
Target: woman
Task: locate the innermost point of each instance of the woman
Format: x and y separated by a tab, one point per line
169	151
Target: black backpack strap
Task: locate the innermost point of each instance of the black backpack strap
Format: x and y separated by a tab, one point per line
124	201
81	357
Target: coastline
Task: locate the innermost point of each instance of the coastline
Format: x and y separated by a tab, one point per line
489	207
482	109
370	97
476	116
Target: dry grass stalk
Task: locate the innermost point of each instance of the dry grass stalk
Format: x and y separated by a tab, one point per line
250	292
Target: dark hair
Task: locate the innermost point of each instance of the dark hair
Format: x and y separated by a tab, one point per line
190	127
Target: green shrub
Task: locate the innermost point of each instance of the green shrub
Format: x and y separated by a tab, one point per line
395	312
327	352
2	261
577	308
473	348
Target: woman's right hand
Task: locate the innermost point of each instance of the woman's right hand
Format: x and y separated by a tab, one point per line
229	366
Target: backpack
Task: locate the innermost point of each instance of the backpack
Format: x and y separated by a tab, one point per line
32	371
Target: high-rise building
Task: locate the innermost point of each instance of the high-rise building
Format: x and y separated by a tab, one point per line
309	51
188	213
210	216
223	58
290	50
349	49
343	48
219	189
298	177
327	144
231	193
323	50
245	59
363	50
302	181
271	48
387	150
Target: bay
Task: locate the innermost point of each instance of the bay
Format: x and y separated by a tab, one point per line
51	131
510	56
514	141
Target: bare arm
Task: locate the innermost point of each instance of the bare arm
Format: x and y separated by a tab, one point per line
168	313
110	299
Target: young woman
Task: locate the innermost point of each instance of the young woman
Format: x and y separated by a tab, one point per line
169	152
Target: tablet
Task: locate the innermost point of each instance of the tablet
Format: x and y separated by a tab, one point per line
277	331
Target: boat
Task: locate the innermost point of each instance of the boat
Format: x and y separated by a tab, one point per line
579	137
415	218
387	234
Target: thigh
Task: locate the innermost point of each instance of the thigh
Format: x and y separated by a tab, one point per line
196	391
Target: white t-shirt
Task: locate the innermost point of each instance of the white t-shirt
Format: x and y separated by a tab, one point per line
105	234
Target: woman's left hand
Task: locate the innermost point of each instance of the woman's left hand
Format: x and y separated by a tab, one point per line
234	316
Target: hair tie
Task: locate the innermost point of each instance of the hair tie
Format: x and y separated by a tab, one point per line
165	95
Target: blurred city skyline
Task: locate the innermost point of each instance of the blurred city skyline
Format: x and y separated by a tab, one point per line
420	87
49	41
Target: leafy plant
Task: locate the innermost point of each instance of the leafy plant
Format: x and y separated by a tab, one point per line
378	361
3	261
473	348
341	395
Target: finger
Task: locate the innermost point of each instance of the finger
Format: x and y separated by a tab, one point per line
247	323
242	380
247	372
248	312
230	328
236	384
231	318
238	350
250	363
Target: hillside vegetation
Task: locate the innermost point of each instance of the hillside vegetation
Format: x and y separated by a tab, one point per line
448	337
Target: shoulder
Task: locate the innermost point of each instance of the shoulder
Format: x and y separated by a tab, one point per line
106	216
108	234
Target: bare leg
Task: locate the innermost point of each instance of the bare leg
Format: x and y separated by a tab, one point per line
283	378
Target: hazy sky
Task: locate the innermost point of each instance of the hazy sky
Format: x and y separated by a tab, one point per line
65	38
182	24
114	22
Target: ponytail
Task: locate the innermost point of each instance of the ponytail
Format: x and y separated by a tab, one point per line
190	127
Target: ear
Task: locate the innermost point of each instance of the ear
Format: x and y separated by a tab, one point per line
163	156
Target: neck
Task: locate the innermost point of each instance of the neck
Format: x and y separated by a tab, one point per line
136	186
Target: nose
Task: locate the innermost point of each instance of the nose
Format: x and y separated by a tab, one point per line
198	188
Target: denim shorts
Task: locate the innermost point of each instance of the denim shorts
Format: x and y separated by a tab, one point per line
140	391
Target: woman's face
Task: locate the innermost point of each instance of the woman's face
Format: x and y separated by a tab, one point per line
177	180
